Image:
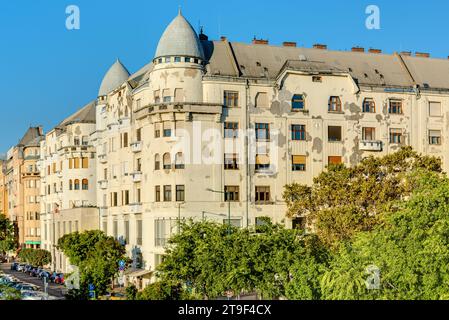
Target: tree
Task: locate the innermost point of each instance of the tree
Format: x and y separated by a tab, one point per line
7	238
345	201
35	257
8	293
410	250
96	255
208	261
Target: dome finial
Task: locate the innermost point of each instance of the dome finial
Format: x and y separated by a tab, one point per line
179	11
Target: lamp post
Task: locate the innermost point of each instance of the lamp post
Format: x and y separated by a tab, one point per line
229	207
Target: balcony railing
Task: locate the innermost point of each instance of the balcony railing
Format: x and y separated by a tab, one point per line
370	145
137	176
136	146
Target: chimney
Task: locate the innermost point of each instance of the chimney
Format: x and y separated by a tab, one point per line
358	49
223	38
320	46
260	41
40	130
375	51
422	54
406	53
289	44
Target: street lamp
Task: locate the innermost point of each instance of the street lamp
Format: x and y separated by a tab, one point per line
229	207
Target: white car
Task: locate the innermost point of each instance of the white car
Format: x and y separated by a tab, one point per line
32	295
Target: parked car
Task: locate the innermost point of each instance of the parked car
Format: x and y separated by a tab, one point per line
25	287
34	271
44	274
32	295
14	266
21	267
59	279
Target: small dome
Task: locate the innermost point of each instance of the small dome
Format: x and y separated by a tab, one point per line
180	39
115	76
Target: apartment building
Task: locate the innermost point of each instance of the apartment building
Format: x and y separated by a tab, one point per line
3	189
216	129
68	183
22	184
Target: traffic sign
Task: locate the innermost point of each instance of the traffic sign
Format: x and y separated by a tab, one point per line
91	287
121	265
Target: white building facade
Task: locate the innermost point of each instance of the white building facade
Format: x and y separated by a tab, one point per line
212	124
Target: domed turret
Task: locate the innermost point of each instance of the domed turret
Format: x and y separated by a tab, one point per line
115	76
179	39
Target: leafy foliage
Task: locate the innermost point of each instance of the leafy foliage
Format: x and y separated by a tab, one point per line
345	201
8	293
209	261
35	257
96	255
7	239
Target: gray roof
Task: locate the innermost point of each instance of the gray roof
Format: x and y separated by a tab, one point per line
432	73
115	76
85	115
32	137
179	39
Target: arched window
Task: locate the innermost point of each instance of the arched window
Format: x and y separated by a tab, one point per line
298	102
334	104
85	184
70	184
167	161
369	106
77	184
157	162
179	161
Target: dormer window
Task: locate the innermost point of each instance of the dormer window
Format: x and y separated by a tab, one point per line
159	60
195	60
188	60
167	60
177	59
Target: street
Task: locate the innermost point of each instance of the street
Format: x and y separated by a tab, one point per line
53	289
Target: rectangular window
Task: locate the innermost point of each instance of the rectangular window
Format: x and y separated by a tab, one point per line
167	133
139	134
334	133
396	136
231	99
298	132
262	131
167	193
139	199
84	140
71	163
262	162
138	104
262	194
115	229
157	96
180	193
334	160
158	193
435	109
231	130
166	96
299	163
179	95
139	232
368	134
435	137
369	106
334	104
76	163
395	106
231	161
54	167
232	193
127	232
105	227
126	200
157	130
160	233
85	163
125	140
115	199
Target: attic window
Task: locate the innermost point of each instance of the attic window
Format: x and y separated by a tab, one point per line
350	69
376	71
265	69
242	67
187	60
177	59
317	79
381	76
366	75
258	64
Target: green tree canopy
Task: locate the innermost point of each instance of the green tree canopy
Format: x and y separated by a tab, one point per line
96	255
344	201
35	257
7	238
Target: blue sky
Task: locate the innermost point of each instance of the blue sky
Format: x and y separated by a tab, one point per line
47	72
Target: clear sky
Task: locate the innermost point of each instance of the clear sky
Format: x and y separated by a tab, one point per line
47	72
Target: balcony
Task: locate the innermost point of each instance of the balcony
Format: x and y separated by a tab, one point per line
103	184
135	208
136	146
137	176
371	145
103	158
